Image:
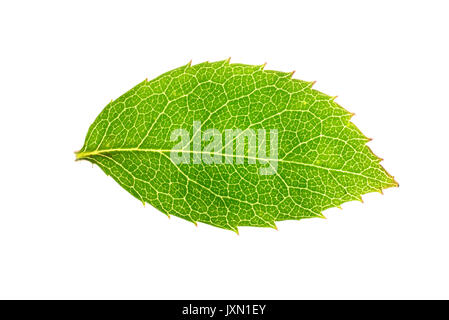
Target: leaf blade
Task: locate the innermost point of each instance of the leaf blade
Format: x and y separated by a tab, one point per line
323	158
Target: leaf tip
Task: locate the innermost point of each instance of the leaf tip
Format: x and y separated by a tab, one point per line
395	182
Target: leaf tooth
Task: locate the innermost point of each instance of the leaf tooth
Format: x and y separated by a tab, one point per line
312	84
321	215
228	60
368	140
263	66
272	224
189	64
292	73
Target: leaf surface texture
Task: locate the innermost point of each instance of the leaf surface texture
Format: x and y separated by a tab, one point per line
323	160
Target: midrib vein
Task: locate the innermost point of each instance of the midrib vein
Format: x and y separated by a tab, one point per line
82	155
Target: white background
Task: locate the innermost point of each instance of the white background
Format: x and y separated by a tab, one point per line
69	231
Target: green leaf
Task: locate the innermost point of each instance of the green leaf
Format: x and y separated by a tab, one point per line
322	159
